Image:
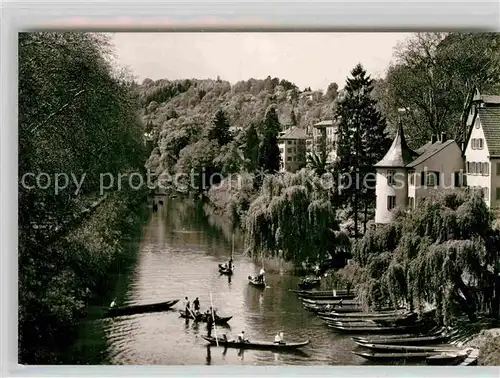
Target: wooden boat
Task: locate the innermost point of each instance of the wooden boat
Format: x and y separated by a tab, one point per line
225	270
411	356
361	314
255	282
324	308
412	340
375	329
140	309
448	358
354	318
324	293
330	319
407	348
309	284
203	318
471	358
255	344
333	302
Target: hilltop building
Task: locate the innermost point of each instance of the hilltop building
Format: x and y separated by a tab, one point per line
327	131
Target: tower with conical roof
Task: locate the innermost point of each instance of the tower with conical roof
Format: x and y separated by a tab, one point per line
392	178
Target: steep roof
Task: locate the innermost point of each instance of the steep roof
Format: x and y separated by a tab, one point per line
430	151
490	122
399	155
293	133
325	123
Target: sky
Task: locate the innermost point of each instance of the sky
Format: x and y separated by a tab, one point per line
306	59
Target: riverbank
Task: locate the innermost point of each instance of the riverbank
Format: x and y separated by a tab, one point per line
488	343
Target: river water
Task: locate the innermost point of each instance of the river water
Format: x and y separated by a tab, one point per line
179	257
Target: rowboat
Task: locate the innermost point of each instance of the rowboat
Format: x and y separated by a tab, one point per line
361	314
330	319
448	358
436	331
203	318
411	356
140	309
309	284
407	348
374	329
225	270
354	318
324	293
471	359
334	302
324	308
255	282
254	344
415	340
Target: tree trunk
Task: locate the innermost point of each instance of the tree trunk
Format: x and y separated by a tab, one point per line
469	305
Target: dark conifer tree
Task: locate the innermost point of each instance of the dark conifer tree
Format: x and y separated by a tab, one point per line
220	129
269	153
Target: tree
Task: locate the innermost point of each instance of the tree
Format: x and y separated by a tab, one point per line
251	147
220	129
362	142
269	153
440	253
293	118
434	79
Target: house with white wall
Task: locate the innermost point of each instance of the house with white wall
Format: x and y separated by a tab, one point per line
482	150
405	176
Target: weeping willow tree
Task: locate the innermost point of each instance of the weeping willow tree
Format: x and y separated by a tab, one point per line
293	218
443	254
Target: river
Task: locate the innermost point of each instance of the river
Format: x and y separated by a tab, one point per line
178	257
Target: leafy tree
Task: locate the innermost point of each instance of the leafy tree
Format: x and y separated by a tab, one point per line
220	129
251	148
362	142
269	153
441	253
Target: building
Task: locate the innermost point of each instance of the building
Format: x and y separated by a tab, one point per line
326	130
482	149
292	145
405	176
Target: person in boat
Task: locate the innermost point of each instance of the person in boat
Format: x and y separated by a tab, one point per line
187	306
261	275
210	323
196	304
230	264
241	337
277	338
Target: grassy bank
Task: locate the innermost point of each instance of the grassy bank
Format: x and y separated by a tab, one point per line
76	282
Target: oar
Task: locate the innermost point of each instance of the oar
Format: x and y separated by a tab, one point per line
213	317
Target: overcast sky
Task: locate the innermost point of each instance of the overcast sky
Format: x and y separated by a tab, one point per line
307	59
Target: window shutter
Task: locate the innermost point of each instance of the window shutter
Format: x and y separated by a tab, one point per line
422	178
457	178
437	177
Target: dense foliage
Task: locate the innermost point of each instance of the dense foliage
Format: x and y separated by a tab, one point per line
293	218
443	253
76	116
434	77
362	142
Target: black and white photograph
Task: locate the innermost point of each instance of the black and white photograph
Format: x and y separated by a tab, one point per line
258	198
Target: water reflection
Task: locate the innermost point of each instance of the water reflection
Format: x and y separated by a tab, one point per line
179	257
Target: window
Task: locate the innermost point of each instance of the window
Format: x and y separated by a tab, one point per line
486	169
289	158
468	167
390	177
477	121
391	202
486	194
480	144
498	193
411	202
473	143
498	169
289	142
289	150
432	179
411	177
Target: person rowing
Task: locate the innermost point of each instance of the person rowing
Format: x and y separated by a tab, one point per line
196	304
277	338
261	275
241	337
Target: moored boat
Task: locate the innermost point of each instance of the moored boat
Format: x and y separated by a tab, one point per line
309	283
412	340
361	314
408	348
255	344
384	357
140	309
448	358
375	329
324	293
